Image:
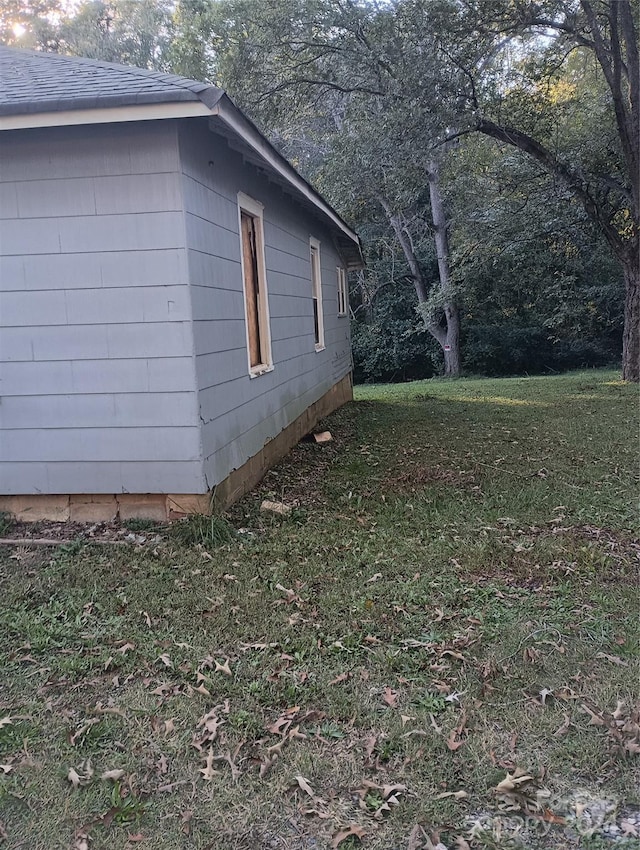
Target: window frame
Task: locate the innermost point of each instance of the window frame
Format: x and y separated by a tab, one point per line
250	207
342	291
316	293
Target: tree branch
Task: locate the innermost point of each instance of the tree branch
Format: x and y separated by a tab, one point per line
548	160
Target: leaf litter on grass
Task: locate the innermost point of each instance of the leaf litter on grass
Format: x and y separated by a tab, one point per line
503	648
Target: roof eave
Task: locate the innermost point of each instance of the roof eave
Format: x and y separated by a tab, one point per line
241	126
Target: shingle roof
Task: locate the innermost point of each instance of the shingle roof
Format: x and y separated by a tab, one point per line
38	82
33	83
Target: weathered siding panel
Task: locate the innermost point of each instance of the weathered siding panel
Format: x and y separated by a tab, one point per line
240	413
96	349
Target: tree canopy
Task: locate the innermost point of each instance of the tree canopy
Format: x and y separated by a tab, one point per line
530	234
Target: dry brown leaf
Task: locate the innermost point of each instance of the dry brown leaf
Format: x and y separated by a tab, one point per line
353	829
5	721
390	697
81	776
612	659
208	771
304	785
415	838
6	768
112	774
267	764
165	660
185	821
223	668
392	790
595	719
457	795
453	741
341	678
511	782
236	773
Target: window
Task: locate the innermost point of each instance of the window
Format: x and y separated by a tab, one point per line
316	292
255	286
342	291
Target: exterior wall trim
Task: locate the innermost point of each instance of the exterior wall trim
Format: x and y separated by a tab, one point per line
70	117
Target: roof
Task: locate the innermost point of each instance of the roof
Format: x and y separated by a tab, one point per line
34	82
47	89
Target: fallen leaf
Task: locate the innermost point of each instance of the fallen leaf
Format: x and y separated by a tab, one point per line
185	821
5	721
304	785
353	829
267	764
223	668
82	776
6	768
415	838
112	774
511	783
135	839
562	730
544	693
208	771
341	678
165	660
390	697
457	795
612	659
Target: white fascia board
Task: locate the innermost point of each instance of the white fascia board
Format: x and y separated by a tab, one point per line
243	128
106	115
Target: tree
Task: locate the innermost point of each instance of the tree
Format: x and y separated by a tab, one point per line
28	24
335	75
490	66
605	179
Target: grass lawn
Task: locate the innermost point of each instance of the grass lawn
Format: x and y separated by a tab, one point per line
438	647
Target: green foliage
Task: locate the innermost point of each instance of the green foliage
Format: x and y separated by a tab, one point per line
208	531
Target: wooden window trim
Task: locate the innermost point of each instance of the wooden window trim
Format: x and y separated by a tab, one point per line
316	293
248	208
342	291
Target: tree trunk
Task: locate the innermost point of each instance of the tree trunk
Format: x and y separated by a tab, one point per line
448	336
631	332
451	344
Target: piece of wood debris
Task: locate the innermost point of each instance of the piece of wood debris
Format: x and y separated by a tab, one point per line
323	437
276	507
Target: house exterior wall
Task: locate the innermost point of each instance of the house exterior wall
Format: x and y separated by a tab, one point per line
240	413
97	381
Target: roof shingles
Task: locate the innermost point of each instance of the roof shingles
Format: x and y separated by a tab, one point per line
47	82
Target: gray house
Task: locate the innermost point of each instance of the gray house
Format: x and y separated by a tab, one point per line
173	301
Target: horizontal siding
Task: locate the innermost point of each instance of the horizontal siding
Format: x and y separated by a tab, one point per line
81	477
240	413
63	377
96	306
98	269
133	443
96	349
